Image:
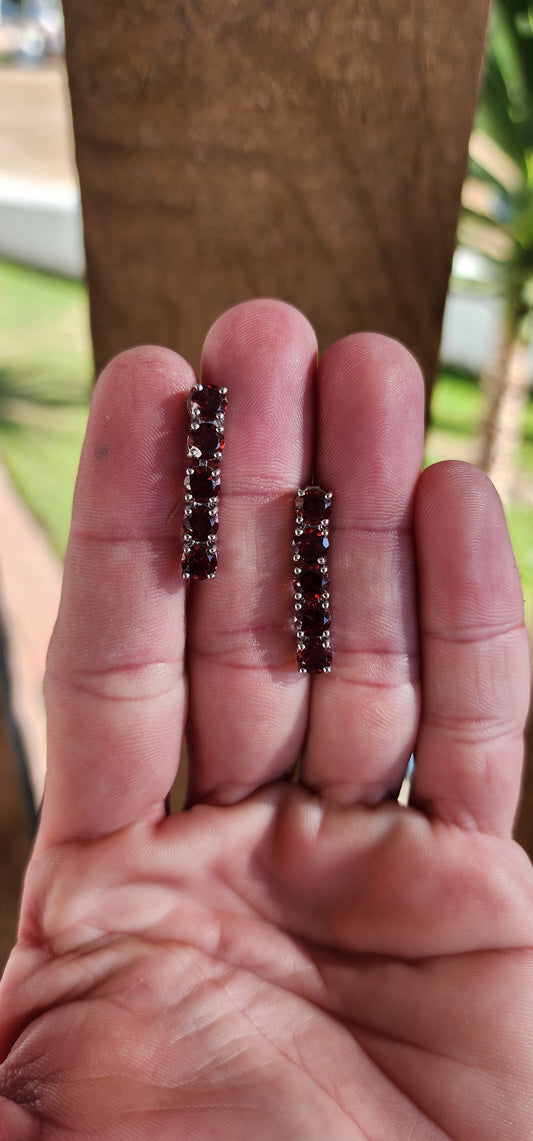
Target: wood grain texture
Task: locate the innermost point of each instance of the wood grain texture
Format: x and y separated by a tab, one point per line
312	150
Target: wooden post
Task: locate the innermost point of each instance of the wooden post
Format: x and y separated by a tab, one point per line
14	821
311	150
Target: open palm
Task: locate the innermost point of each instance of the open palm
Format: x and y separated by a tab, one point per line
296	959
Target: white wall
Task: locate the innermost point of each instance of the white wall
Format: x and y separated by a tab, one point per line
41	225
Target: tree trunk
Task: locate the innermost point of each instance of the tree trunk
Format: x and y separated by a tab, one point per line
507	388
492	384
311	150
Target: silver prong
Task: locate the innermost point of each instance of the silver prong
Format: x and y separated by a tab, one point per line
224	390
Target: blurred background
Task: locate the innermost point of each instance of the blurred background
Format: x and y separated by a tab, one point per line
54	326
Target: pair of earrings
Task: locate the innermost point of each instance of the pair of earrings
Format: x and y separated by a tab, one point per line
205	443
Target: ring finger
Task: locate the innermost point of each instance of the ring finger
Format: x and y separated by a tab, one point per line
364	715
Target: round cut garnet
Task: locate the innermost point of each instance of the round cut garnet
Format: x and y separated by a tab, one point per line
200	524
315	658
314	621
203	483
312	546
199	562
313	504
311	583
207	439
207	401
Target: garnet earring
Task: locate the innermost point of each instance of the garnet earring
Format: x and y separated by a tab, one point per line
205	443
311	581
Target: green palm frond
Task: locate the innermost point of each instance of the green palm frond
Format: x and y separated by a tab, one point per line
497	216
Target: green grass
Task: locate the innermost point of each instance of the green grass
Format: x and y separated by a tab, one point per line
45	377
42	466
520	523
525	454
455	404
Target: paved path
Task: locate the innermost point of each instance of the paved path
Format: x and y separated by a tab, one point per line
35	144
30	583
36	139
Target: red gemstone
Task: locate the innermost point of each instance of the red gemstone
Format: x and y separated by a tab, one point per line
208	439
313	620
315	657
203	483
312	546
313	504
199	562
207	401
312	582
200	524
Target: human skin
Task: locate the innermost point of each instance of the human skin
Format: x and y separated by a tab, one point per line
297	959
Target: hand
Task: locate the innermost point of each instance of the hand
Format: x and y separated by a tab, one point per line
284	960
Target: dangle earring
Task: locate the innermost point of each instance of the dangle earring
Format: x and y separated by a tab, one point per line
205	443
311	581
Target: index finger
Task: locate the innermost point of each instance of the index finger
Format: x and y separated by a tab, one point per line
115	686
